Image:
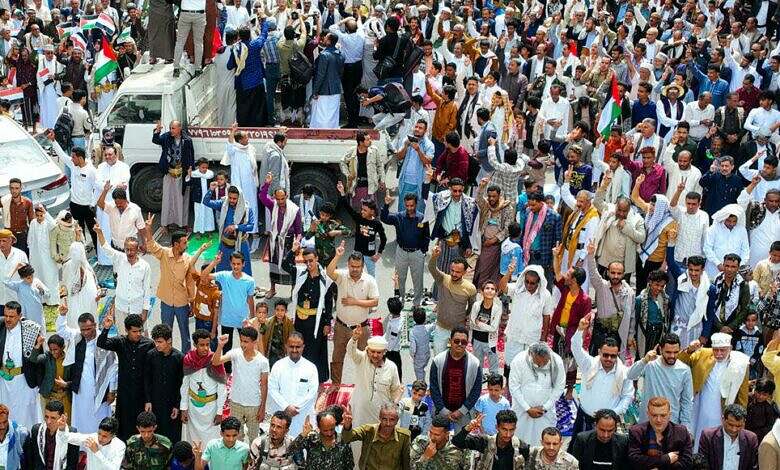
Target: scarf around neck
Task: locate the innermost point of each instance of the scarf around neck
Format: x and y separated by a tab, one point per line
532	230
551	365
571	243
731	300
193	363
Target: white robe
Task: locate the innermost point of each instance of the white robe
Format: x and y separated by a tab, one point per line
204	215
761	237
243	173
40	257
84	300
325	112
587	234
117	174
200	426
85	415
707	404
296	384
15	393
374	386
528	392
7	265
47	94
225	90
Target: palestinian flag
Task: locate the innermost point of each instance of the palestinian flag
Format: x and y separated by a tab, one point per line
78	40
103	21
105	62
123	36
611	111
64	30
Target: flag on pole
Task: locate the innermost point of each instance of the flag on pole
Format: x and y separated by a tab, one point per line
611	111
105	62
64	30
123	36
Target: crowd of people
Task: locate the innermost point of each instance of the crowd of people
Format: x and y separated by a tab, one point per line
629	308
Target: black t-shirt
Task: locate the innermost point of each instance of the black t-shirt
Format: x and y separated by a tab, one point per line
362	170
483	316
504	458
602	456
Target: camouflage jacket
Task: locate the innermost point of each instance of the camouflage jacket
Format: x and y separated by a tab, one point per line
154	457
448	458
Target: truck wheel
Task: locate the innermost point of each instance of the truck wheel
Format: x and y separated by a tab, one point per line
146	188
323	181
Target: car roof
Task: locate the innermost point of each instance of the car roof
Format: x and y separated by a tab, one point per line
10	130
154	79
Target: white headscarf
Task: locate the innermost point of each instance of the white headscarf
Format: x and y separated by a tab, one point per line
71	273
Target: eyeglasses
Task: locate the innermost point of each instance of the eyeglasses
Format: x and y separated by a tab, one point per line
460	342
609	356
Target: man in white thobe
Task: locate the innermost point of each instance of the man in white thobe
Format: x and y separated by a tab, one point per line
48	86
95	372
104	450
536	381
720	378
531	307
605	382
115	174
584	213
727	234
240	155
376	378
764	224
17	384
293	384
203	392
10	257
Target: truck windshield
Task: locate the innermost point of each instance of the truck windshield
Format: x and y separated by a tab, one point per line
136	109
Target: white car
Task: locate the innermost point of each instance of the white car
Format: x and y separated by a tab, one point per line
21	156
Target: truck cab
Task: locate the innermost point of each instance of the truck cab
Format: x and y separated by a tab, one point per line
151	94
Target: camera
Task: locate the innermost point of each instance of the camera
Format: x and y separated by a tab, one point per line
413	139
294	15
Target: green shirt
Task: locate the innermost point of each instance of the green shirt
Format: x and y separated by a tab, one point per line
377	454
447	458
220	457
139	456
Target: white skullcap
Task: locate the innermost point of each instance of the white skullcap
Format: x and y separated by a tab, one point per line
377	343
721	340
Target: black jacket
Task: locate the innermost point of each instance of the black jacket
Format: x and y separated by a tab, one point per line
582	446
32	454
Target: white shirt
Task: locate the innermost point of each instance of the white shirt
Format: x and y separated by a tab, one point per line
133	282
7	265
601	394
296	384
124	224
690	233
760	117
351	44
108	457
4	447
117	174
246	377
695	115
193	5
761	237
527	311
82	183
763	185
550	110
365	288
730	453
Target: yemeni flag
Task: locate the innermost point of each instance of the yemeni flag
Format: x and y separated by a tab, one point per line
124	35
103	21
611	111
12	94
105	62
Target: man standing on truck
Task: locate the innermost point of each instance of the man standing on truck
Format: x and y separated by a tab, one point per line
326	91
176	160
251	110
240	155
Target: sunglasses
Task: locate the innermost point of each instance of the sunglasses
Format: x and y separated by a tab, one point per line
609	356
460	342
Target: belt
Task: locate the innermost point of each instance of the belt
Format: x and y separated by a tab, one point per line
410	250
202	400
228	241
305	313
365	323
193	11
175	172
9	374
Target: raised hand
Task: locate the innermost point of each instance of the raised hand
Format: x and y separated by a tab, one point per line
341	248
269	178
681	185
340	188
108	320
591	247
436	250
149	220
585	322
357	333
307	428
650	356
222	340
557	250
346	418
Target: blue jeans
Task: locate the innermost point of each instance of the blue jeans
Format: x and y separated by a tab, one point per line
182	315
271	82
370	266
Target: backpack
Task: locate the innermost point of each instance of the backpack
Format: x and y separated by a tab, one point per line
63	128
396	98
301	69
474	167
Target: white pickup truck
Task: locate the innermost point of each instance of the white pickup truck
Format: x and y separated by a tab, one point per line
151	93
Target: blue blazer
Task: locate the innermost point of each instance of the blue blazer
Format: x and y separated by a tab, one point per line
488	131
327	74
